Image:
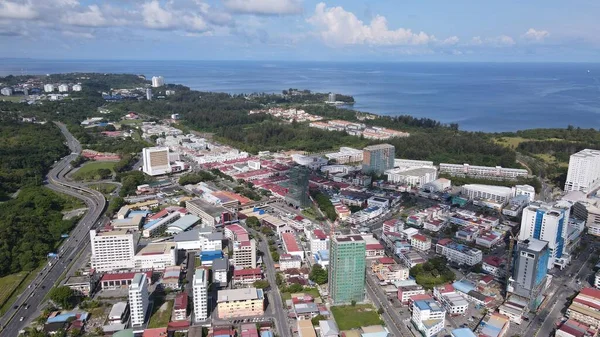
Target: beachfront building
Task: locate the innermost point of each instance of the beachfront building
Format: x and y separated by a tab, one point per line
584	171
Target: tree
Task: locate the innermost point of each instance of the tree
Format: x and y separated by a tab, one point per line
318	274
252	221
380	310
261	284
353	303
275	256
63	296
315	320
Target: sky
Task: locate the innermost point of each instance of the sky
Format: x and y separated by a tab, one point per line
330	30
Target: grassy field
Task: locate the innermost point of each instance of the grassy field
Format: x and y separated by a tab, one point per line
161	317
4	292
103	188
11	98
511	142
87	170
550	159
10	283
314	292
353	317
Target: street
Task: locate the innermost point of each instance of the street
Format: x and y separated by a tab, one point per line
29	301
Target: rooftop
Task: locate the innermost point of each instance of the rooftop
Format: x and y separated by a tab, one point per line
243	294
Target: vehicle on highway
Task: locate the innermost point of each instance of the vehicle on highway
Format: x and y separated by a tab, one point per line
21	319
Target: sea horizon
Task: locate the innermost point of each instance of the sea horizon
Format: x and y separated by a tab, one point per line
479	96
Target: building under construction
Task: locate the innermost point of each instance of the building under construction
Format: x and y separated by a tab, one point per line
298	187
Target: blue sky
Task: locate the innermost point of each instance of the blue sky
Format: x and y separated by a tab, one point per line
349	30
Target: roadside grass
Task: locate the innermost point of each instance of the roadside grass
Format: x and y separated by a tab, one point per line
71	202
350	317
103	188
550	159
20	288
16	99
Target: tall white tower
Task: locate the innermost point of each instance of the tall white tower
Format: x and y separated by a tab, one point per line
138	299
200	285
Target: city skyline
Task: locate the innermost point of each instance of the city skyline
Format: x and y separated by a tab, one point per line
298	30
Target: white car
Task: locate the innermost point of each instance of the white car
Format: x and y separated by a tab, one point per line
21	319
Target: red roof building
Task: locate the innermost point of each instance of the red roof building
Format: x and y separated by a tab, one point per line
247	276
118	280
158	332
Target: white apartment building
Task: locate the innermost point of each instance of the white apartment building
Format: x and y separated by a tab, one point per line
138	299
158	81
546	222
498	194
458	253
429	317
63	88
488	171
77	87
406	291
244	253
408	163
112	250
156	256
584	171
527	190
200	288
210	241
346	155
318	241
288	261
413	176
156	161
420	242
454	303
49	87
220	268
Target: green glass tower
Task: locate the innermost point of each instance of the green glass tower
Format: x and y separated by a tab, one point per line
347	263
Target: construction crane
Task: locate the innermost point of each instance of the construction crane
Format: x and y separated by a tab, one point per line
511	243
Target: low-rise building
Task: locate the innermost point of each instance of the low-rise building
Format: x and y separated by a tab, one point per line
405	292
240	303
585	307
171	277
288	261
156	256
429	317
82	285
420	242
494	265
220	269
454	303
290	245
119	313
458	253
411	258
246	276
180	307
496	325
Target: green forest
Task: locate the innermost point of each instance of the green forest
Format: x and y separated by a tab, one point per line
27	151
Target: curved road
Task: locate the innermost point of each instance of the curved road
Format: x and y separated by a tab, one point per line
27	305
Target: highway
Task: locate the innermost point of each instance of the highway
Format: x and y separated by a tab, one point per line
29	302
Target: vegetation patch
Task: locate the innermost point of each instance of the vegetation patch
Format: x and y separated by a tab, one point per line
432	273
95	170
350	317
9	283
161	314
324	204
103	188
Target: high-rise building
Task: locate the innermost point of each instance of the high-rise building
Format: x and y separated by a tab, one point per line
347	263
156	161
6	91
63	88
77	87
200	287
378	158
530	270
138	299
244	253
546	222
149	94
584	171
112	250
298	187
158	81
331	97
49	87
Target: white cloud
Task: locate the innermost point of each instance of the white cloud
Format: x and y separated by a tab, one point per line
78	35
535	35
337	26
93	17
451	41
156	17
498	41
17	11
264	7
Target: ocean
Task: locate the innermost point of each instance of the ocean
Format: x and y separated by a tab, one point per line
490	97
